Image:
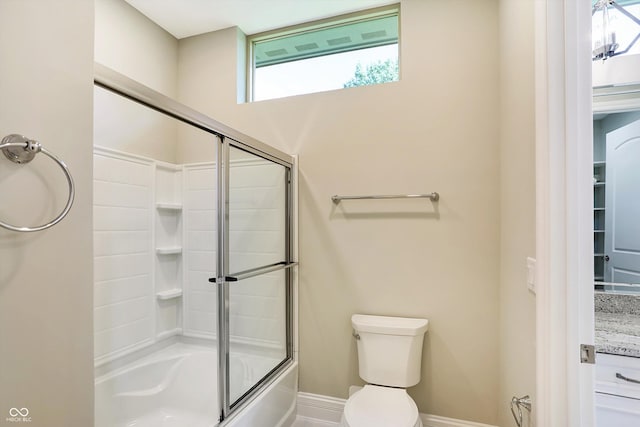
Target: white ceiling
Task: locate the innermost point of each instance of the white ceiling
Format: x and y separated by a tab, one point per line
184	18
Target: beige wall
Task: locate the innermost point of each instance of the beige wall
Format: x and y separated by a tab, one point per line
128	42
131	44
46	351
150	134
517	203
435	130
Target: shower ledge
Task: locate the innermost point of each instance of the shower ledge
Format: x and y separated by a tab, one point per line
169	294
174	250
169	206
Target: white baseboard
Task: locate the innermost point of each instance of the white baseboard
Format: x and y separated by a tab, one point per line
436	421
329	409
320	407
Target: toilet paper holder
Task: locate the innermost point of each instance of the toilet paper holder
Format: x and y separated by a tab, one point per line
517	403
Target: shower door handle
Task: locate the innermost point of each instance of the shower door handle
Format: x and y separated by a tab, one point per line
247	274
226	279
256	272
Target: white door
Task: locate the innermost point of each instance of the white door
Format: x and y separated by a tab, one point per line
622	203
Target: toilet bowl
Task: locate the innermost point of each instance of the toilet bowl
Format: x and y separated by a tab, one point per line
378	406
389	359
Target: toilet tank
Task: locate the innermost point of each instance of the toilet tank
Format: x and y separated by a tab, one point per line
389	349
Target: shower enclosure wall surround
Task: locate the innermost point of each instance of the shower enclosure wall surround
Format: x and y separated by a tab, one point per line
193	244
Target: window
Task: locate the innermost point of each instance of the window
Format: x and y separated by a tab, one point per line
332	54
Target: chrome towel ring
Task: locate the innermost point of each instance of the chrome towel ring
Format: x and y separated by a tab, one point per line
21	150
517	403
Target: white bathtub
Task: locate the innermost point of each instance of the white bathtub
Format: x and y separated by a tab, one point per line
177	387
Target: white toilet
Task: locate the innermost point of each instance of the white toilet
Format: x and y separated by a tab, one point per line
389	357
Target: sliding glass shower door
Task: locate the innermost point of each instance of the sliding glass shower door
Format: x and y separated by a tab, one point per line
257	246
254	301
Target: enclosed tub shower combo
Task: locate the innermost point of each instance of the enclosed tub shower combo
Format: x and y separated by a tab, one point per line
194	248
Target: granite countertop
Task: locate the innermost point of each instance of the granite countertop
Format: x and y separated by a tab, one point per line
617	319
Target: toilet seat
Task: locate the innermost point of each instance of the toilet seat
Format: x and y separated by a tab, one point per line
377	406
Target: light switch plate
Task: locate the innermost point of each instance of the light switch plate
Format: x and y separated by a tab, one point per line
531	274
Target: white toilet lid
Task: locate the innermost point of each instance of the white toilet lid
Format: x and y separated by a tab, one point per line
377	406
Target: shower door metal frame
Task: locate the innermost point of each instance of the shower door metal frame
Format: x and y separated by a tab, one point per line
222	271
225	138
225	278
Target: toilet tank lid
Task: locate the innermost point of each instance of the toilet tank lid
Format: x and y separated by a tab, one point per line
389	325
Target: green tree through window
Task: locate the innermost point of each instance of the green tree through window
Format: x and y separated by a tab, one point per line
377	72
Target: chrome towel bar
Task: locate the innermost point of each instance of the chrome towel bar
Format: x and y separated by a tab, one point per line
21	150
433	196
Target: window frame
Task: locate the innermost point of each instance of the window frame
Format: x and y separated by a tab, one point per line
312	26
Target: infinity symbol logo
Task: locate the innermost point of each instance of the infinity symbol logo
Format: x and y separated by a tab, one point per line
14	412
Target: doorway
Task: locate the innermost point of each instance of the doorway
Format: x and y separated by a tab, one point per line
616	238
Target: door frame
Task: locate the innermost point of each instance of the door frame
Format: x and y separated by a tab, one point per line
564	309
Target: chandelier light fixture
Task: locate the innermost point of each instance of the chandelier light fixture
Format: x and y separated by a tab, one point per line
615	28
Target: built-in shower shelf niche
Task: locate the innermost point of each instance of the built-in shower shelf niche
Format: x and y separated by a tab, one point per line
168	202
174	207
168	248
175	250
169	294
